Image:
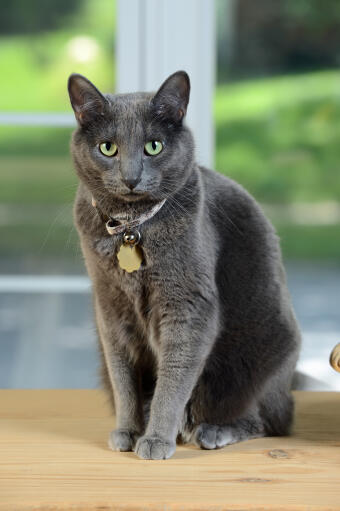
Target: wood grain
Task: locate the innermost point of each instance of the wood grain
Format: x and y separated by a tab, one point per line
54	456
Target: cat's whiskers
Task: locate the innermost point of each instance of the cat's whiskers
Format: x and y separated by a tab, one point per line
179	206
60	212
176	203
185	194
76	247
172	210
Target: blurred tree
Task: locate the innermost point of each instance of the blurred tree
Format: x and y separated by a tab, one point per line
270	37
23	17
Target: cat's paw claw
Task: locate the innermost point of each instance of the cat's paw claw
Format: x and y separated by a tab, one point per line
154	448
209	436
122	440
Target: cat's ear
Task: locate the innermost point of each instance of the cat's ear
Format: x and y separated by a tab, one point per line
86	100
172	98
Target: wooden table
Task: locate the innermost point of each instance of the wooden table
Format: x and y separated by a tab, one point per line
54	455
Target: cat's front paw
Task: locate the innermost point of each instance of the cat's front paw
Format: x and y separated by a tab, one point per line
122	440
154	448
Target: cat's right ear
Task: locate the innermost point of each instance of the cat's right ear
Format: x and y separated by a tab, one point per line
86	100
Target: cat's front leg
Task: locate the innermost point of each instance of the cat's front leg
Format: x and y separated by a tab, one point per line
186	339
123	378
128	408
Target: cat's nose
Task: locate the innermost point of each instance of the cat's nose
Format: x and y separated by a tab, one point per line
132	182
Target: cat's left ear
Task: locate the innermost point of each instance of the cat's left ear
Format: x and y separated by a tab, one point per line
86	100
171	100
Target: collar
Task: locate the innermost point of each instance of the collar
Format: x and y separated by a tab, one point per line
119	224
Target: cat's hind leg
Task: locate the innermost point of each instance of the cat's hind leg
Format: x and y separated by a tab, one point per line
211	436
273	416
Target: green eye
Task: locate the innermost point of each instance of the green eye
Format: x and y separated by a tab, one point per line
108	149
153	147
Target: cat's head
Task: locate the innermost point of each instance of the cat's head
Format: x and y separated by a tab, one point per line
133	148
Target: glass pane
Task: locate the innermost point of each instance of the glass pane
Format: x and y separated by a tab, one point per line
277	111
277	128
46	327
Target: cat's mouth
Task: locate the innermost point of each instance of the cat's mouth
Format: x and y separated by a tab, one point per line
133	196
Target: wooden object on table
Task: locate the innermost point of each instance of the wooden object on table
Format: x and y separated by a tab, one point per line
334	359
54	456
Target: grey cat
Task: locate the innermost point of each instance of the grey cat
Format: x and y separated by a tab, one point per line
200	343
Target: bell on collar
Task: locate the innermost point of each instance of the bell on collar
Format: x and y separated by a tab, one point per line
131	237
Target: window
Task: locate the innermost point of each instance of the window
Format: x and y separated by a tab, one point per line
277	125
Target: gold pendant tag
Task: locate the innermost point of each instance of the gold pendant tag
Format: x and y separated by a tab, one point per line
130	257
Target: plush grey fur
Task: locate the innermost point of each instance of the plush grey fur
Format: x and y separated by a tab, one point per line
199	344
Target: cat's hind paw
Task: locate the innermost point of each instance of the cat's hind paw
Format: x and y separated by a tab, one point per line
209	436
122	440
154	448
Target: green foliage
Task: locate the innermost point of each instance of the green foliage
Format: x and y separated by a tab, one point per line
35	68
310	242
313	14
35	166
25	141
279	137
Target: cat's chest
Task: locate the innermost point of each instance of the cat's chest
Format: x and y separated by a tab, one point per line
136	294
137	302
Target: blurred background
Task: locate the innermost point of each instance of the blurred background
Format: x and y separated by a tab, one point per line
274	106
